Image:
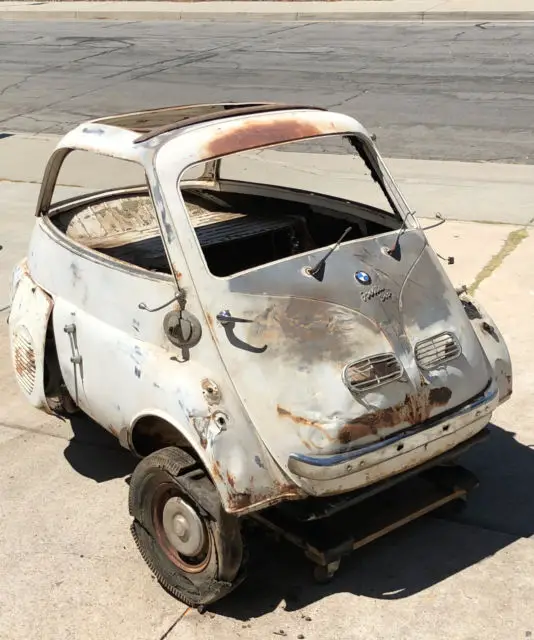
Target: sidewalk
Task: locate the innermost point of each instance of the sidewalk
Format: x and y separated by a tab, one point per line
342	10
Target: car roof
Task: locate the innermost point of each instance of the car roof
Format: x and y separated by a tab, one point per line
196	132
227	126
153	122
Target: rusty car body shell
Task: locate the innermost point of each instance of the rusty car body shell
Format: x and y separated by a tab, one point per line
273	421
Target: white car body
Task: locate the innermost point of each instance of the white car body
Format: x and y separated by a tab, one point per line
265	394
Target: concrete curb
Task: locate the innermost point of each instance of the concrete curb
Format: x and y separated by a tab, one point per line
273	16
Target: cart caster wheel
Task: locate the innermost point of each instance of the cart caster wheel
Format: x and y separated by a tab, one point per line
454	508
324	573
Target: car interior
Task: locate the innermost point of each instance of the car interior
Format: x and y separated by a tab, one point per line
236	230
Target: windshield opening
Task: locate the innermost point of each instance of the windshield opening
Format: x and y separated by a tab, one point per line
256	207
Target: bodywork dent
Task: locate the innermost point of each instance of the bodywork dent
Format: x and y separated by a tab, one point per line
492	342
413	410
240	503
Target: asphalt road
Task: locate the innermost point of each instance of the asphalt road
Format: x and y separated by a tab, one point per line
454	92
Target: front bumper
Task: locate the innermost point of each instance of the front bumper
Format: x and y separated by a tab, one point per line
329	474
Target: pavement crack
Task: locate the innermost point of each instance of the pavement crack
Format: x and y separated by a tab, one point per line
513	240
180	60
16	85
148	69
84	58
31	76
173	625
297	26
39	432
348	99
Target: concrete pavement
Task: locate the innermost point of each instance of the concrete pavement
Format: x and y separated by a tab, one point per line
351	10
68	565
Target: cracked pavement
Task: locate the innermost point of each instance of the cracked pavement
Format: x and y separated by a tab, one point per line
436	91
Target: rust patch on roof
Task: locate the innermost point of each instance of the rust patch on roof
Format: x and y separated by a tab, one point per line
177	273
252	134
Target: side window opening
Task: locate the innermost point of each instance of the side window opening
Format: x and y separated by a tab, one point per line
122	225
284	200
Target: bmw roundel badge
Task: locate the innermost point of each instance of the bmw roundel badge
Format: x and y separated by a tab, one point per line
362	277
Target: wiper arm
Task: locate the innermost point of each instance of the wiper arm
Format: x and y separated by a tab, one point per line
318	271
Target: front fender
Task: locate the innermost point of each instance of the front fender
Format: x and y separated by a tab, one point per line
492	342
242	470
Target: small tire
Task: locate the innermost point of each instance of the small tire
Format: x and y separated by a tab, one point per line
68	406
454	508
321	575
193	547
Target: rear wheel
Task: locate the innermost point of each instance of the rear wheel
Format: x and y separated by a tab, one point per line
190	543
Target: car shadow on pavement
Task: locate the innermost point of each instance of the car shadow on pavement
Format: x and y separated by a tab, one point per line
95	453
411	559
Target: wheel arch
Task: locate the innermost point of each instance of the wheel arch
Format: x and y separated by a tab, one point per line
156	430
153	429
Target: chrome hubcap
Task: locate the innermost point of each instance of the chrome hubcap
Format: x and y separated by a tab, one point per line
183	527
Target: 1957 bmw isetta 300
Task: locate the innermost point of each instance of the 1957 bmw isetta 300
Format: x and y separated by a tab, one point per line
247	303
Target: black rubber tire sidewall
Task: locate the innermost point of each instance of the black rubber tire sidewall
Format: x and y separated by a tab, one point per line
193	588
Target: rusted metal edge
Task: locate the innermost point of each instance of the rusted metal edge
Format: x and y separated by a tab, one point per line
224	113
317	508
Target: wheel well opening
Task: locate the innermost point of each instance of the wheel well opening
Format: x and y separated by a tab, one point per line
51	370
151	433
57	395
